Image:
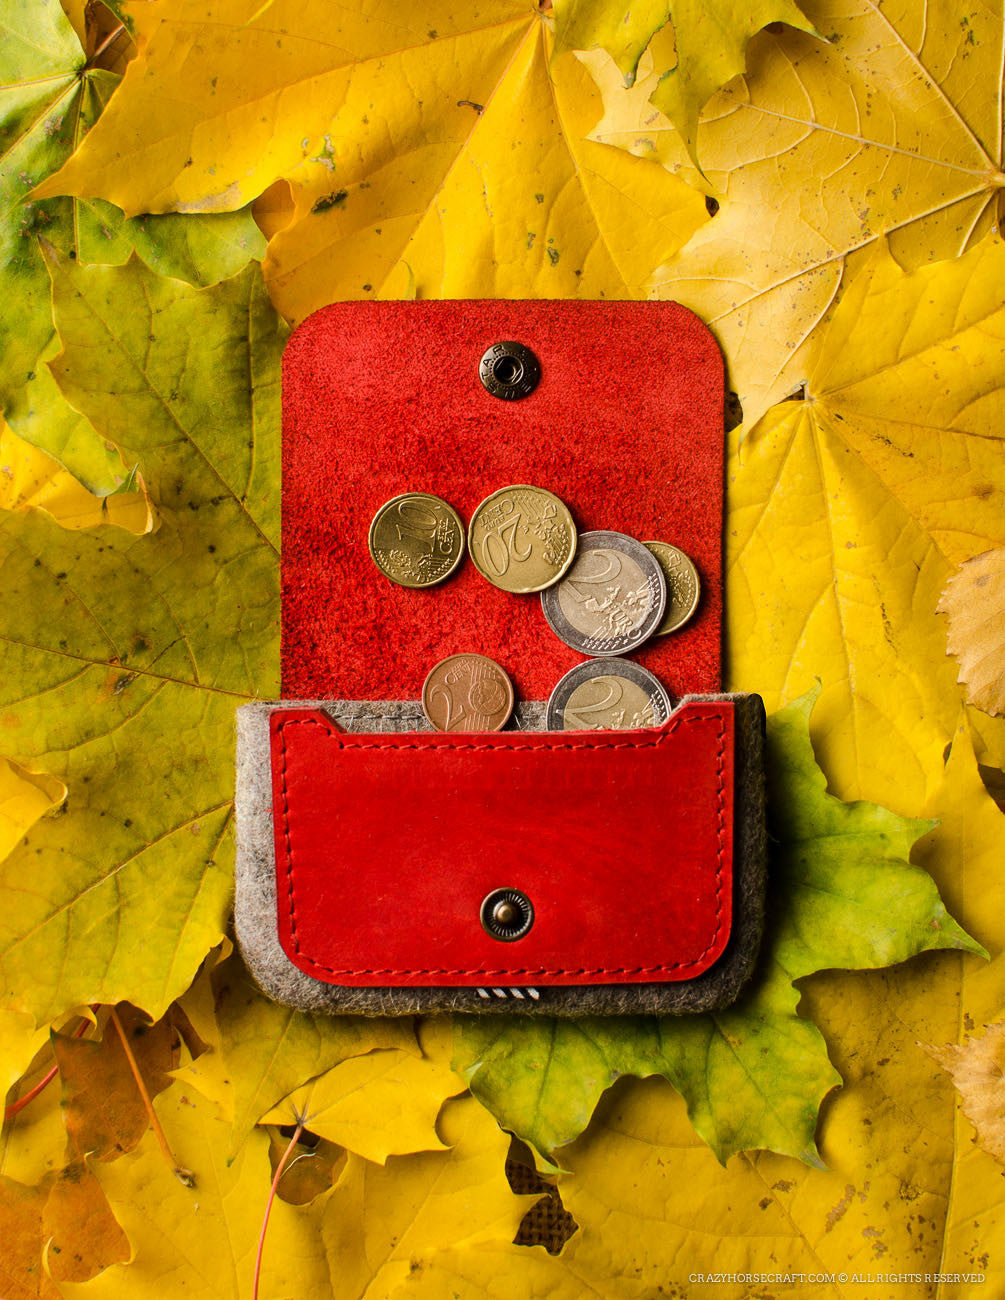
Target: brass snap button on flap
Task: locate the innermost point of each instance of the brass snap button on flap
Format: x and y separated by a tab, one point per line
509	370
506	914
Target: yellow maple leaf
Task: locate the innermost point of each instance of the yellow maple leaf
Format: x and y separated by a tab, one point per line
261	84
20	1040
891	127
905	1189
202	1241
382	1223
436	150
30	479
846	508
260	1052
380	1104
974	601
24	798
493	194
710	37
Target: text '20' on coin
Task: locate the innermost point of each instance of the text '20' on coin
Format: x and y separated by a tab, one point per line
522	538
683	585
615	694
416	539
611	600
467	692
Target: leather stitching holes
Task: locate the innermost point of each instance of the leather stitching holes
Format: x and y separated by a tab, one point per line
510	971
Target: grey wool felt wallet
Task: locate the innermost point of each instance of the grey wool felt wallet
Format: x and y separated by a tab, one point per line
387	868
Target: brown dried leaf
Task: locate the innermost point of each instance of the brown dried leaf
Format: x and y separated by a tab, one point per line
80	1235
974	601
64	1221
105	1114
311	1170
22	1276
977	1067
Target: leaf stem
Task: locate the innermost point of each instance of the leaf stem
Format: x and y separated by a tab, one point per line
183	1175
16	1106
109	39
280	1168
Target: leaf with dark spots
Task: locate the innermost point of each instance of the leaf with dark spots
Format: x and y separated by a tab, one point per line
132	887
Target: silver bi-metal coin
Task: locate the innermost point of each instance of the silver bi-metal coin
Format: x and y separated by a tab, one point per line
609	694
612	598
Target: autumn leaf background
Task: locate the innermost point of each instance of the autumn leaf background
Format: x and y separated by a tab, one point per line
823	185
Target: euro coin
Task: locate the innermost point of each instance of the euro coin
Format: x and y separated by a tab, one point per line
416	539
467	692
522	538
608	695
683	585
611	600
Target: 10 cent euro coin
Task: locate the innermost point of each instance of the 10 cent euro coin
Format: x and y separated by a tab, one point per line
612	694
467	692
683	585
611	600
416	539
522	538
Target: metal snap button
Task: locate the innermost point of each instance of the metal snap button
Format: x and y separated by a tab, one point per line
506	914
509	370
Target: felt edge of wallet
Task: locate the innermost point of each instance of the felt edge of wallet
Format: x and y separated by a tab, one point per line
280	979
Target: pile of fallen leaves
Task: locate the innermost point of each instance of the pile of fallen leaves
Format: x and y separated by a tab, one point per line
822	184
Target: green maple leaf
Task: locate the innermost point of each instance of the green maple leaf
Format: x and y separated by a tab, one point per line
842	894
124	657
49	99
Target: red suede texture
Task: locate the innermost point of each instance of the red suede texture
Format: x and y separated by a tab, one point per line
386	846
382	398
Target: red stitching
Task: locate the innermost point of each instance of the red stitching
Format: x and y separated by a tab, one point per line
510	972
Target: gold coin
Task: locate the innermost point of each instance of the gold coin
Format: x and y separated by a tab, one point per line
522	538
416	539
683	585
467	692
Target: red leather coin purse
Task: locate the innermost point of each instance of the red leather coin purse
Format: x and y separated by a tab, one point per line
367	844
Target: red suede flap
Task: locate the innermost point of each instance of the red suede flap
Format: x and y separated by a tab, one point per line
386	846
383	398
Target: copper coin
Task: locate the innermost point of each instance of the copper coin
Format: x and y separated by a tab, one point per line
467	692
683	585
416	539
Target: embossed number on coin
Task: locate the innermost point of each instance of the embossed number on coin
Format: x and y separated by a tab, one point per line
615	694
416	539
467	692
611	600
522	538
683	585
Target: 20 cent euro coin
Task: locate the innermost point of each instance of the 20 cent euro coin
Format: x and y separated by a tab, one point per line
416	539
522	538
611	600
467	692
613	694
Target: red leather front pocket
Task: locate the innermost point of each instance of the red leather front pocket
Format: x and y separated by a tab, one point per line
386	846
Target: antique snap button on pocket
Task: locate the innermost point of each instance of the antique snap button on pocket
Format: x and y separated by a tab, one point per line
506	914
509	370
